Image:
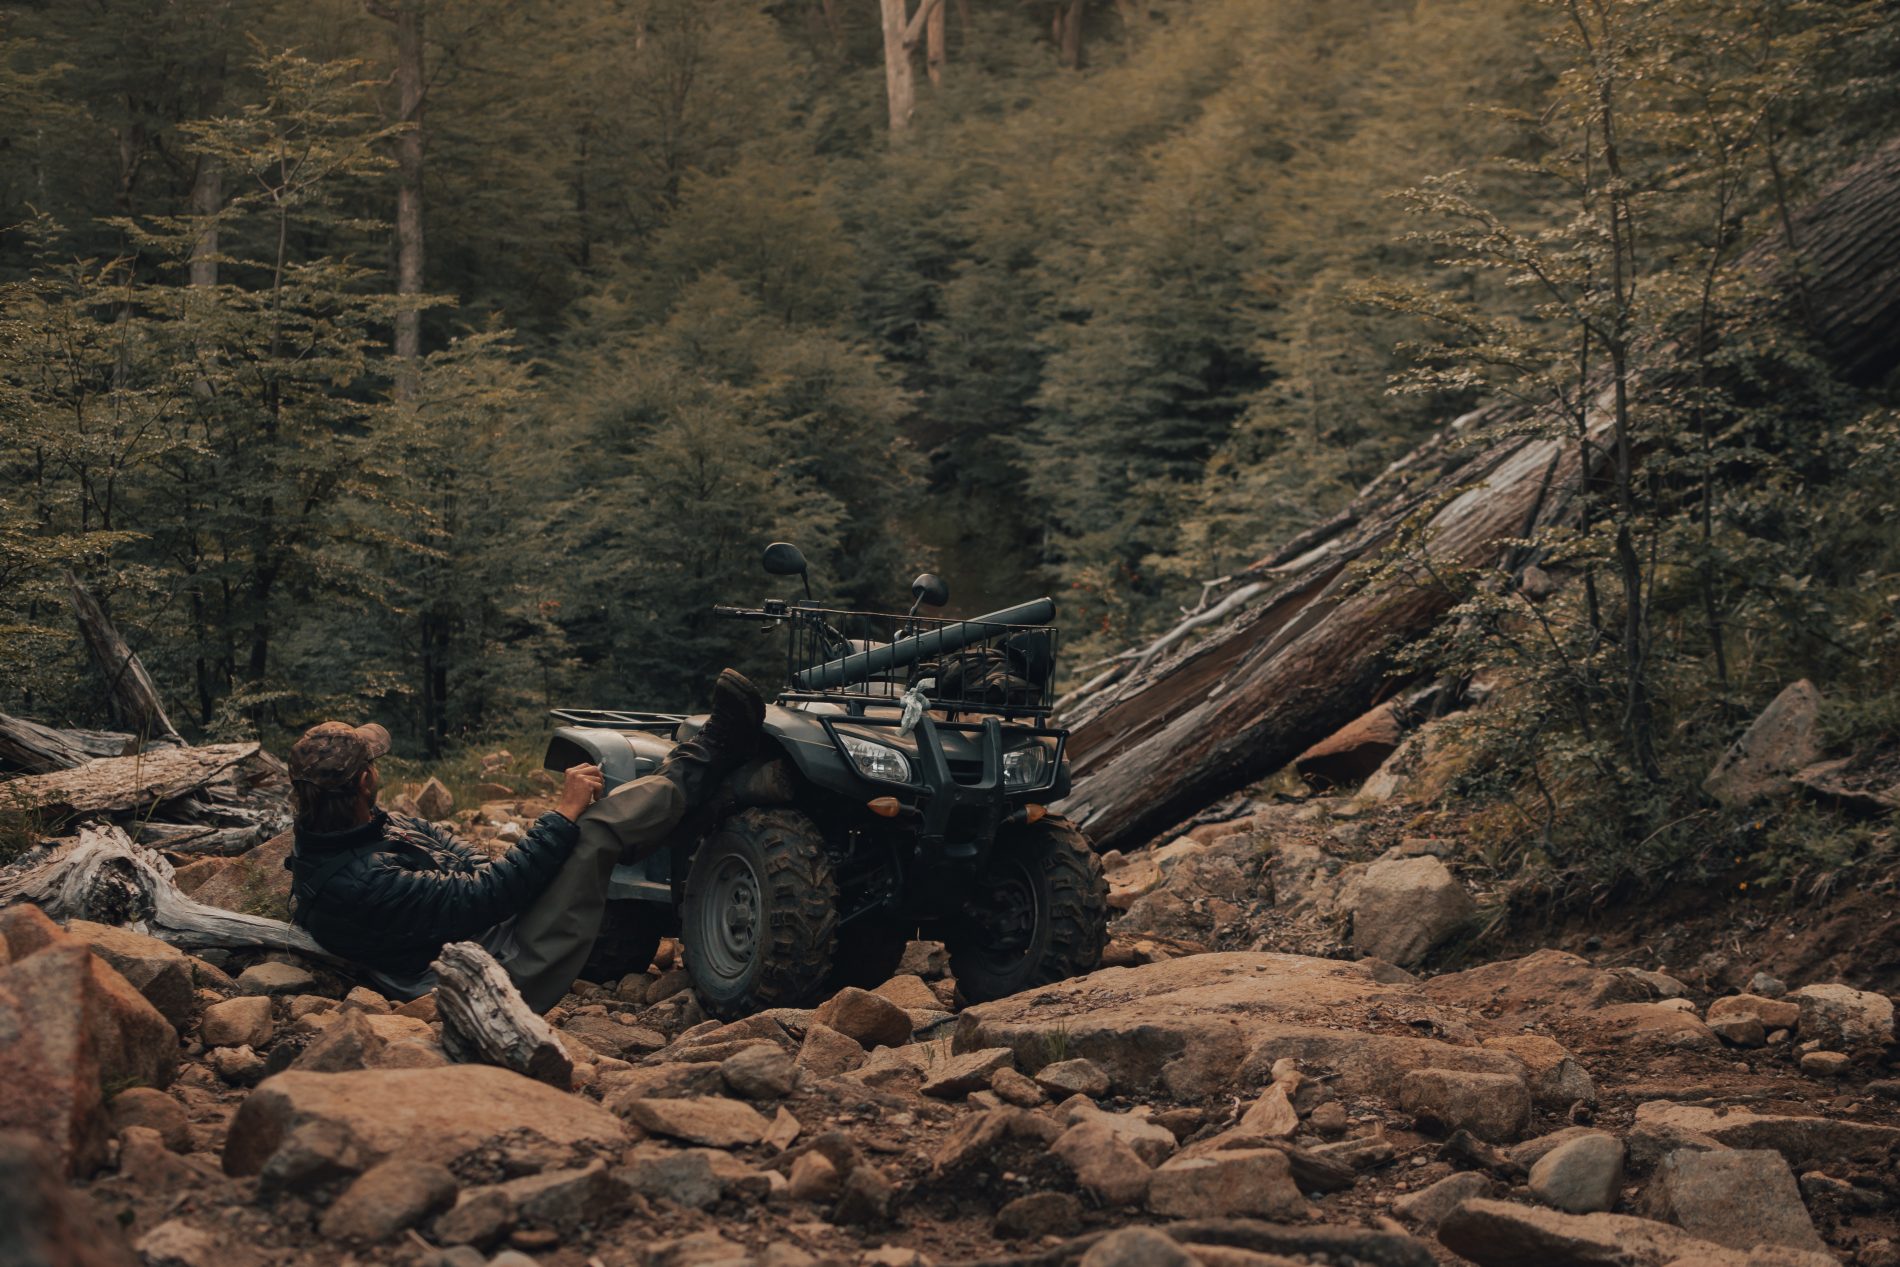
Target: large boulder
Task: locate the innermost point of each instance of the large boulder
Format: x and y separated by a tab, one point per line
1238	1182
1502	1234
1207	1024
25	928
43	1223
1547	984
433	800
160	972
1581	1175
1783	739
1557	1079
1404	908
254	883
1738	1198
1807	1142
871	1019
710	1120
73	1025
430	1113
1655	1025
1492	1106
1842	1017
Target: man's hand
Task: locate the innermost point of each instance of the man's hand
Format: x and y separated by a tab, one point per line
579	789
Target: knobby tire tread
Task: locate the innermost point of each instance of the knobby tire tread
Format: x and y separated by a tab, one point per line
1078	914
804	904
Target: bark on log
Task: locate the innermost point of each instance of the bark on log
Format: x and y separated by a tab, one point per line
122	783
38	749
1153	746
194	841
134	698
486	1021
104	877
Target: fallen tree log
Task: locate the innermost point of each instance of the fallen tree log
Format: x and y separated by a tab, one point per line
1160	736
486	1021
36	749
197	841
102	876
123	783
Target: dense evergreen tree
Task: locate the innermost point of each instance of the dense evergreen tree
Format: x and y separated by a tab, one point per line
1096	320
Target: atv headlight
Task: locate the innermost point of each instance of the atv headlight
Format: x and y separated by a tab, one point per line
1026	767
875	761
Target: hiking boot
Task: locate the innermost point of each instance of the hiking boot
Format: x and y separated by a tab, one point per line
729	737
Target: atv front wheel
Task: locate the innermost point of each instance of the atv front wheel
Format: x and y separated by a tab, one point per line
760	920
1038	914
630	932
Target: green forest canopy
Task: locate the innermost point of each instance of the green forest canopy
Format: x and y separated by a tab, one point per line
1119	305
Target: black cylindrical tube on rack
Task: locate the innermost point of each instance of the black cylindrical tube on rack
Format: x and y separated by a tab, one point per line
951	636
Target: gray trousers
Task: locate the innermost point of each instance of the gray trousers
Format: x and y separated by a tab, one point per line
554	935
544	947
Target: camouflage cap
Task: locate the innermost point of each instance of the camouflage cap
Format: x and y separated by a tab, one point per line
332	753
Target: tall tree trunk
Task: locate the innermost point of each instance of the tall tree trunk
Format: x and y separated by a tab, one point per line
410	91
1069	31
207	197
936	52
900	81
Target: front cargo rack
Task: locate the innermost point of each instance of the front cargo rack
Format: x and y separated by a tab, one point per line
1000	667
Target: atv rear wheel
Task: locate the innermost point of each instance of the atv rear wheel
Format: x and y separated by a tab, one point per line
630	932
1038	914
760	920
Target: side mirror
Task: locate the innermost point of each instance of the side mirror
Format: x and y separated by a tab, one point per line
929	591
782	558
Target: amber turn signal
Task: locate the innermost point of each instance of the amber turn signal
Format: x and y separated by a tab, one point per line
885	807
1034	813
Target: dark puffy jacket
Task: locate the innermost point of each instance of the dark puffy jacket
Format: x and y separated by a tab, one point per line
394	891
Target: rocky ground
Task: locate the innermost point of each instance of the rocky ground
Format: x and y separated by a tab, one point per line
1259	1079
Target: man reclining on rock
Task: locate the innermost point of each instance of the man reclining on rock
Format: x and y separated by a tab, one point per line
388	891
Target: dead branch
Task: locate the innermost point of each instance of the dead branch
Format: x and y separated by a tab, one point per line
104	877
486	1021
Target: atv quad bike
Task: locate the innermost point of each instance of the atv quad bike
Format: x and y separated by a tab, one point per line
902	790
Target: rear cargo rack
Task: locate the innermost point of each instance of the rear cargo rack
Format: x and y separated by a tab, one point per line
618	719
